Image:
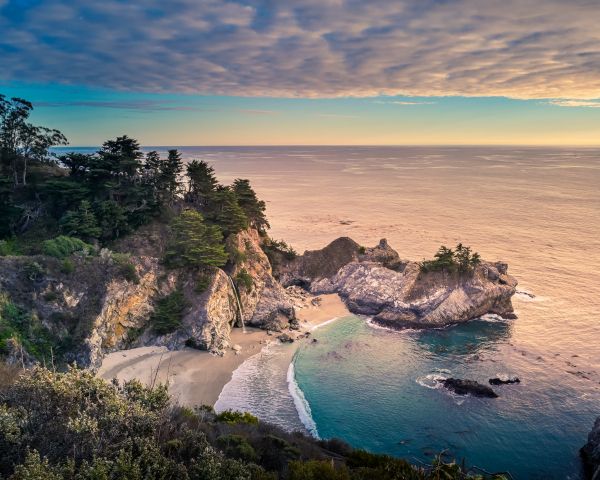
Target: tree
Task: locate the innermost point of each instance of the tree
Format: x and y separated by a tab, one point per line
169	173
194	243
228	214
201	182
81	222
252	206
112	220
22	142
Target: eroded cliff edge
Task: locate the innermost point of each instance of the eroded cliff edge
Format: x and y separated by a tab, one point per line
398	293
95	308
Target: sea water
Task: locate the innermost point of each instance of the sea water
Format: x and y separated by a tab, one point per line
538	209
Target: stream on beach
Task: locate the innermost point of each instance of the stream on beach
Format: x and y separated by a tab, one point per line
537	209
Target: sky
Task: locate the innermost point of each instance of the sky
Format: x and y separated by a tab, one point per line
333	72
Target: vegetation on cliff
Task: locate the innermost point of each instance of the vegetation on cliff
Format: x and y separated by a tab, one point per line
75	426
461	260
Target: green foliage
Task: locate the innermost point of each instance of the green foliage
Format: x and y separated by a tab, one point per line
63	246
232	416
250	204
236	446
203	280
459	260
112	220
245	279
34	272
229	215
81	222
362	250
9	247
194	243
316	470
168	313
126	267
202	183
67	266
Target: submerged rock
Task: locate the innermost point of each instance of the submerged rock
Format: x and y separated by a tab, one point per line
468	387
507	381
396	293
590	453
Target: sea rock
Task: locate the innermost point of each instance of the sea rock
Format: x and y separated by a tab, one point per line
285	338
395	292
501	381
468	387
590	453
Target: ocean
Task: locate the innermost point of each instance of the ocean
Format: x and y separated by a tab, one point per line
538	209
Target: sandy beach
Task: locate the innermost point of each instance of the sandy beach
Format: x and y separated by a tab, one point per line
196	377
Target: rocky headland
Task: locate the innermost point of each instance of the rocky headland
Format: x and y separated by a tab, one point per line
96	309
398	293
590	453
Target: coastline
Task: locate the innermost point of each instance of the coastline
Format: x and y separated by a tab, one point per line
197	377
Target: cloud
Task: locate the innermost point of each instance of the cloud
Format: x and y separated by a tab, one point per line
402	102
145	105
308	48
575	103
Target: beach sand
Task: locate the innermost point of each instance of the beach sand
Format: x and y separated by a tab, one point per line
196	377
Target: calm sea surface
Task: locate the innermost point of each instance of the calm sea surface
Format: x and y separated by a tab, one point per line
537	209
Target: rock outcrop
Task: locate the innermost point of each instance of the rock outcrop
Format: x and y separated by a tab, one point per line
265	303
590	453
468	387
93	308
396	293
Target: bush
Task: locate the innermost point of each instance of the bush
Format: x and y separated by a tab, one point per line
34	272
362	250
9	248
203	280
63	246
236	446
67	266
168	313
126	267
244	278
232	416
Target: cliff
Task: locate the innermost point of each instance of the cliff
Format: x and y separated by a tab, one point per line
396	293
96	306
591	452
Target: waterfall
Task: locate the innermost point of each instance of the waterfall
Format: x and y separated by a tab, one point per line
239	304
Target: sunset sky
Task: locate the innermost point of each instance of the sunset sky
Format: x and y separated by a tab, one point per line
307	71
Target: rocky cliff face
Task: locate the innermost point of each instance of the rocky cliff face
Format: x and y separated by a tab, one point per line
375	282
265	303
591	452
93	308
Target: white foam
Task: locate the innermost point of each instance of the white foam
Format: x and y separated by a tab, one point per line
315	327
492	317
302	405
376	326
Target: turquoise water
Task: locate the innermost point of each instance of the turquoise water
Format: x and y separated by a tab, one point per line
376	389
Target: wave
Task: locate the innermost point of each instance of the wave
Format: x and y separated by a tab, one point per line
302	405
315	327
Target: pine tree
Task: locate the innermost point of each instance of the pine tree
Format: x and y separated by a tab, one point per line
202	182
81	222
229	215
252	206
194	243
169	175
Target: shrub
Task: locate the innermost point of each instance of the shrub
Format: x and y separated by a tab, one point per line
203	280
34	271
50	296
63	246
233	417
168	313
126	267
245	279
9	248
317	470
67	266
362	250
238	447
